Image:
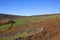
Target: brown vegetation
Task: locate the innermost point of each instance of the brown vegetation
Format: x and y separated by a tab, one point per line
51	30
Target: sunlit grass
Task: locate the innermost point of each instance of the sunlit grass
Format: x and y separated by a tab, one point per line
23	22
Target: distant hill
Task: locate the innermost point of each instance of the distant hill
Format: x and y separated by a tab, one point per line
2	15
8	16
45	15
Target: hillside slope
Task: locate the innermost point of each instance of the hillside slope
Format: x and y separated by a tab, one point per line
33	28
51	30
7	16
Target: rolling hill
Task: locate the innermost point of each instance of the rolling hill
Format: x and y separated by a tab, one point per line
36	27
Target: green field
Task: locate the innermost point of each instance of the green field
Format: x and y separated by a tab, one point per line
26	21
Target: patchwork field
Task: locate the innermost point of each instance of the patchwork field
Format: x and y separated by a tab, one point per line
45	27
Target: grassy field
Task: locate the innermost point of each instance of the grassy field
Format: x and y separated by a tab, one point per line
26	21
19	22
23	22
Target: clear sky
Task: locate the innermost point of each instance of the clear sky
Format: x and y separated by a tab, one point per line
29	7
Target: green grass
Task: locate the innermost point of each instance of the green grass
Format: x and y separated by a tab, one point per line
42	18
27	21
19	23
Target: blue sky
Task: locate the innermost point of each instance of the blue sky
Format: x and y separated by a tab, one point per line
29	7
